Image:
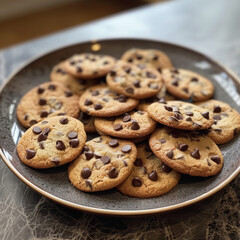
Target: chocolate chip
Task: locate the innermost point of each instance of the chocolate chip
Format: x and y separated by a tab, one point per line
235	131
168	108
141	66
41	145
105	62
46	131
217	117
89	155
79	69
43	114
86	173
97	140
41	137
88	102
122	98
55	160
205	115
37	130
113	143
218	130
63	120
130	60
42	102
173	119
150	75
175	82
60	145
105	160
85	149
153	176
95	93
197	125
129	90
169	154
159	70
126	148
138	162
127	70
189	119
136	83
135	125
166	168
68	93
74	143
89	183
118	127
72	135
58	105
113	173
155	57
178	116
174	71
72	62
40	90
60	70
30	154
182	147
126	118
194	79
112	73
61	114
97	155
189	113
153	85
98	106
25	117
136	182
162	100
185	90
195	154
52	87
217	109
162	140
174	134
216	159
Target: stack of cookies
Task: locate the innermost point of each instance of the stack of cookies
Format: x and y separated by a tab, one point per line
147	123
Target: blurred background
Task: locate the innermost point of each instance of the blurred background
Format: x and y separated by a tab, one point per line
22	20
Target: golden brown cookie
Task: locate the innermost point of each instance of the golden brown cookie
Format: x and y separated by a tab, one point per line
88	65
186	84
148	57
52	142
188	152
226	121
104	164
47	100
150	176
133	81
100	101
182	115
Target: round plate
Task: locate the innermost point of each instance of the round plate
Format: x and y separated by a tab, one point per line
54	183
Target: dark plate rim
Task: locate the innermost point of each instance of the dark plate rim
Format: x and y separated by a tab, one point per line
66	203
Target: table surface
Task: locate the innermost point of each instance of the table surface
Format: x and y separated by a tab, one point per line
209	26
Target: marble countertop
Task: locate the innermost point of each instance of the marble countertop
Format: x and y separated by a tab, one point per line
209	26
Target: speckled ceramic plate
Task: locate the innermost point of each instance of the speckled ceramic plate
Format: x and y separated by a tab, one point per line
54	183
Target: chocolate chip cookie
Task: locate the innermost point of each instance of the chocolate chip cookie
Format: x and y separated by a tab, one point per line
150	176
52	142
188	152
88	65
226	121
76	85
148	57
182	115
186	84
134	124
101	101
133	81
47	100
104	164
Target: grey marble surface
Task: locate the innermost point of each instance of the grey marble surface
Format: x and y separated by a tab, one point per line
210	26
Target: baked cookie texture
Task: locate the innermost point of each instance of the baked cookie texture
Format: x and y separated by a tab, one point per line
134	124
134	81
148	57
226	121
47	100
101	101
188	152
76	85
182	115
150	176
104	164
88	65
52	142
185	84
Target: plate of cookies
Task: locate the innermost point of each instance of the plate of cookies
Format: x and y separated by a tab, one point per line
122	126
